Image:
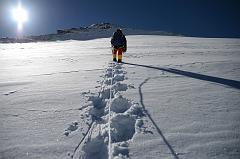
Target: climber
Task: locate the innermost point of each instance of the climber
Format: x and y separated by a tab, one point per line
119	45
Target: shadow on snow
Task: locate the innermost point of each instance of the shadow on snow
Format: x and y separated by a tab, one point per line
227	82
154	123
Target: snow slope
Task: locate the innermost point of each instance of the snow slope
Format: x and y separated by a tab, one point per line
94	31
173	97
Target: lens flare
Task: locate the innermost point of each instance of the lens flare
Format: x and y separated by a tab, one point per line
20	16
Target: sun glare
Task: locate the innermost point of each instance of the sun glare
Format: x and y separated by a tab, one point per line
20	16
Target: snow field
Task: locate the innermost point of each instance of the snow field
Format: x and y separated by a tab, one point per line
51	107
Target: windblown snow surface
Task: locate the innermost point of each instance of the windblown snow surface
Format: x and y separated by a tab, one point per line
173	97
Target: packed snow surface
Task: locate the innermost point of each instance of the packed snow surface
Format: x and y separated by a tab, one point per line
173	97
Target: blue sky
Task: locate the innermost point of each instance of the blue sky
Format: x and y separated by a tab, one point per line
204	18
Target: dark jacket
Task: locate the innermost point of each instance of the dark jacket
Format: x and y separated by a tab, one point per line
119	40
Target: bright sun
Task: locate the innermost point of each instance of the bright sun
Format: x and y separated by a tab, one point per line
20	16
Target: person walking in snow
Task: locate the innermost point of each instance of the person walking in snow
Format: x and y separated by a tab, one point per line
119	45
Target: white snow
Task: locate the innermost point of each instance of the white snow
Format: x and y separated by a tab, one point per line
174	97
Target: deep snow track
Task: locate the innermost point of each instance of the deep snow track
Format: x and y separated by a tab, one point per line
113	119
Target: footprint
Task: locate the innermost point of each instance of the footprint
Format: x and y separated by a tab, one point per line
120	86
122	127
95	149
97	102
118	77
120	104
97	109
